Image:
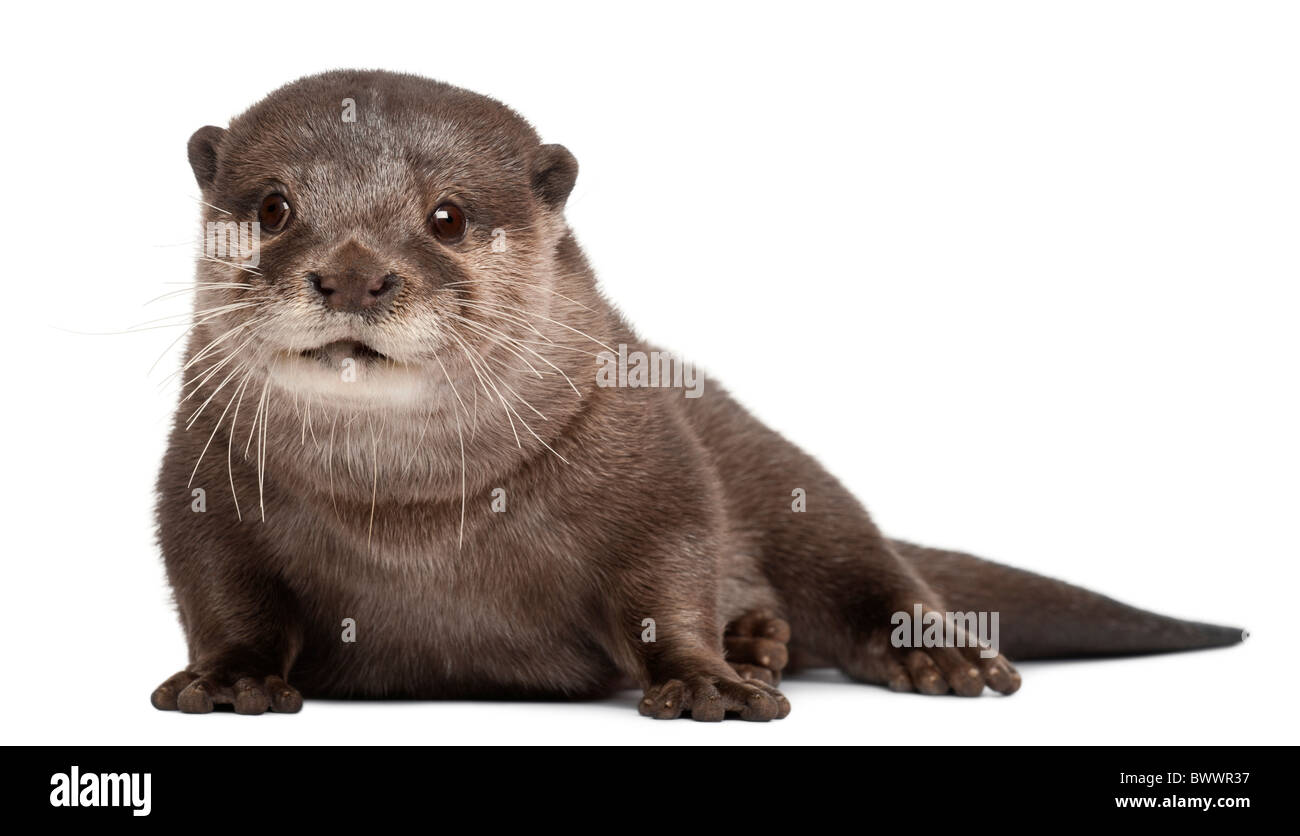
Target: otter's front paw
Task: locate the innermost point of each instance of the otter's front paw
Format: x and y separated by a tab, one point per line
191	693
712	698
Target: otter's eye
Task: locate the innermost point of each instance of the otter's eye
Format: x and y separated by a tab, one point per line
274	212
448	223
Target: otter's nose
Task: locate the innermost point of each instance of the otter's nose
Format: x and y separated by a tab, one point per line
354	278
354	290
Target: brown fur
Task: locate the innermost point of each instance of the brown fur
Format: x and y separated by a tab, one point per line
628	503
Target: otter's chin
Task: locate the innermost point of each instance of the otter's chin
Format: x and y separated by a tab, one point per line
352	372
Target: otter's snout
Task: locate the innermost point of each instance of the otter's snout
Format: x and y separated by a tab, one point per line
354	291
355	280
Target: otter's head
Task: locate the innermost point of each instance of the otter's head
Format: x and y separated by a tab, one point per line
388	222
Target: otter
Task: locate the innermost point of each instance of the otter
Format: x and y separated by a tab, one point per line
399	467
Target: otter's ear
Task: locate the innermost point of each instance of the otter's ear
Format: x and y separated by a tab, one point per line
554	172
203	154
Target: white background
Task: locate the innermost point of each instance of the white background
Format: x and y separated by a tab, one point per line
1024	275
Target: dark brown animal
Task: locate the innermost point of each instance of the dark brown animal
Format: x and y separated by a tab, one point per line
394	471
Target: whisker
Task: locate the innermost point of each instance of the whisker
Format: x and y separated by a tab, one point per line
180	337
204	451
500	397
510	410
495	311
255	323
512	282
193	286
243	267
511	339
459	434
494	333
261	448
195	416
231	442
374	485
561	324
209	205
329	464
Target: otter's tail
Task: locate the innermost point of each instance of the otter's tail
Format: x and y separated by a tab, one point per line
1042	618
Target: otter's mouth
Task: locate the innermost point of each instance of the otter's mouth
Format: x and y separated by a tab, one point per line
336	352
350	371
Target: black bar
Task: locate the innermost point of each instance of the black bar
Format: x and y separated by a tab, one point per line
993	787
